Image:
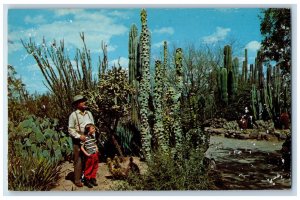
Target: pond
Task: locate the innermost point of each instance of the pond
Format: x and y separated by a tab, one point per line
249	164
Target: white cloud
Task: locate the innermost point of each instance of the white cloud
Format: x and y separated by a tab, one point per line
34	20
164	30
67	11
253	46
122	60
96	26
218	35
159	44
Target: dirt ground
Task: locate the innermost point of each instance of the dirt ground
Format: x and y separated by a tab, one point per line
104	178
242	165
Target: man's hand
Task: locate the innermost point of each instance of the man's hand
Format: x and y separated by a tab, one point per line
82	138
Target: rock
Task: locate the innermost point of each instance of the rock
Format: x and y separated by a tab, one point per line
243	136
254	135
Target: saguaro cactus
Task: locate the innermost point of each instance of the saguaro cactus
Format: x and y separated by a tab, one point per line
145	86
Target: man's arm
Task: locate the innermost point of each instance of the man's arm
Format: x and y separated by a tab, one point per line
72	126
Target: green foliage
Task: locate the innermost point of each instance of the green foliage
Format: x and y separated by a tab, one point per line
223	80
158	131
276	29
109	103
62	78
165	173
32	173
38	138
144	90
35	150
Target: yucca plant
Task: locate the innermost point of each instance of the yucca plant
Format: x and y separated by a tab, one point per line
32	173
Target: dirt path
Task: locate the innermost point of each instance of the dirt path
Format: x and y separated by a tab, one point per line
104	179
243	165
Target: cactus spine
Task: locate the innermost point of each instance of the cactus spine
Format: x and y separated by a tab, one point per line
145	86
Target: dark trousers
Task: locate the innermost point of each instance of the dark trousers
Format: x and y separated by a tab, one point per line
77	161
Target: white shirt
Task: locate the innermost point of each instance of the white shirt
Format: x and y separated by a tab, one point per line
77	122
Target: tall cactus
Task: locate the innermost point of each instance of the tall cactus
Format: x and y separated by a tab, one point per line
133	44
232	73
145	86
235	68
223	80
228	58
176	99
246	66
133	65
251	74
159	133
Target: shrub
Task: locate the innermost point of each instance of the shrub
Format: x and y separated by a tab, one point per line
32	173
39	137
35	150
166	173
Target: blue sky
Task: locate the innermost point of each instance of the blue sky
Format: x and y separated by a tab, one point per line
178	26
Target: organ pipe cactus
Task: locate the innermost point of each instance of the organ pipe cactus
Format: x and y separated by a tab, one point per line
223	80
145	86
133	68
133	44
232	72
228	58
235	68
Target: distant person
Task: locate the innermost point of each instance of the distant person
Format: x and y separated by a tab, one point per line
77	121
249	118
90	150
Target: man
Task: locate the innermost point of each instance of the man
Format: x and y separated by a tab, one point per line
77	120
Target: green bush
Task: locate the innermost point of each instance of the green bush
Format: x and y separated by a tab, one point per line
35	150
38	137
166	173
32	173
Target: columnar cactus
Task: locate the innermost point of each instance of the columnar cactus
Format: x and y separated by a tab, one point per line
260	71
228	58
177	98
158	92
235	68
232	73
246	66
251	73
223	79
133	44
145	86
133	65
